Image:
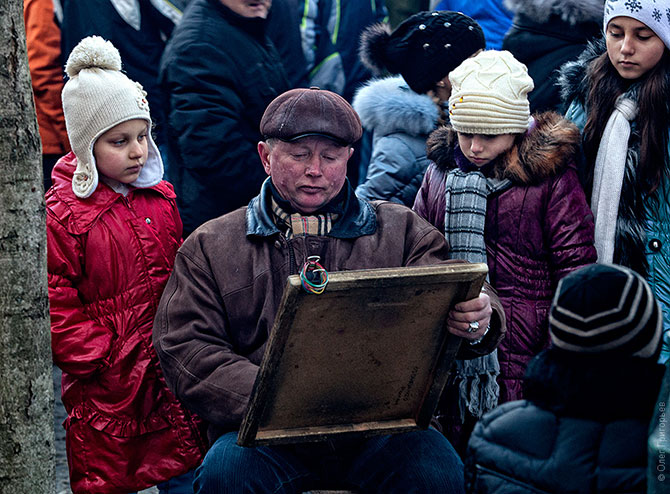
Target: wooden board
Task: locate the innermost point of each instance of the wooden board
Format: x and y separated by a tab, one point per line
370	355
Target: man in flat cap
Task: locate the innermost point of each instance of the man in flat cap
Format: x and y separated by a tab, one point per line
222	298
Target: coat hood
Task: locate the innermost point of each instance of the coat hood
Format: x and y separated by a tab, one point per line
547	147
388	105
572	78
577	386
571	11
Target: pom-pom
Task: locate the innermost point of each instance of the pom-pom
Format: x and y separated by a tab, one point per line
93	52
373	46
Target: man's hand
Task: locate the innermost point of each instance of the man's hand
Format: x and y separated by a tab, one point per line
470	319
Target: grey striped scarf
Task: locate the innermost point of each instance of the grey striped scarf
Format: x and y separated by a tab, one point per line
466	196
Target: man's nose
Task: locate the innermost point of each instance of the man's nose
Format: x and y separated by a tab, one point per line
314	166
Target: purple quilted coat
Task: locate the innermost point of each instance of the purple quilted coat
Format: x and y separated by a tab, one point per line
536	232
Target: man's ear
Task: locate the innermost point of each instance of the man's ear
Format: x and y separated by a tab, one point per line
351	151
264	153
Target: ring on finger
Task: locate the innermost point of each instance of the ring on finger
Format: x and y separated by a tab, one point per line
473	326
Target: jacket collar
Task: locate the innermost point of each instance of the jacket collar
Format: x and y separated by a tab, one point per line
546	148
357	220
388	105
83	213
253	25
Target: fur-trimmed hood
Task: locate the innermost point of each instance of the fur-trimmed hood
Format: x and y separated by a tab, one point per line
572	78
571	11
388	105
546	148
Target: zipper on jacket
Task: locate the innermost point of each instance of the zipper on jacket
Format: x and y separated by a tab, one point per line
291	255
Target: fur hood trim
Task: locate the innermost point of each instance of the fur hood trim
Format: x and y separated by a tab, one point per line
570	11
548	147
572	79
388	105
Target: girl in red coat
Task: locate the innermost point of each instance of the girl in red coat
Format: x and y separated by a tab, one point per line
504	189
112	234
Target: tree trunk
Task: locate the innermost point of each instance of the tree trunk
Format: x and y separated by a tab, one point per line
26	389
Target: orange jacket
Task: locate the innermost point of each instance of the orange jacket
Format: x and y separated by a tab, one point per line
43	43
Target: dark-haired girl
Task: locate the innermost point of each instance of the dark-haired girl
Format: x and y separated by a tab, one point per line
619	95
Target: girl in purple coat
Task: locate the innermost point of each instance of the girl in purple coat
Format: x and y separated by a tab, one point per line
504	189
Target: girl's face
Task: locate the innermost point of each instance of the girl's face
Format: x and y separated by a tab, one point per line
481	149
632	47
120	153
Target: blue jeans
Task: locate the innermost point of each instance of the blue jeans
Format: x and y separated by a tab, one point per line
182	484
418	461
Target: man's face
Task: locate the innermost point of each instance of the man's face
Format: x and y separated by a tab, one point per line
249	8
309	172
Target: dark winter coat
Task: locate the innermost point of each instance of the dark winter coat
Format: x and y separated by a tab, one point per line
582	429
218	73
536	232
109	257
400	121
545	35
220	308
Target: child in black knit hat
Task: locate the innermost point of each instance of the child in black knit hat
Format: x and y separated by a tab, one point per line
589	398
402	109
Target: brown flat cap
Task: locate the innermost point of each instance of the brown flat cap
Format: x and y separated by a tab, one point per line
311	112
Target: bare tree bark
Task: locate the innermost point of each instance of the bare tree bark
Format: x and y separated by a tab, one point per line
26	389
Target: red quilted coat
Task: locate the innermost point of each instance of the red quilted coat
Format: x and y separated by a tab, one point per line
109	257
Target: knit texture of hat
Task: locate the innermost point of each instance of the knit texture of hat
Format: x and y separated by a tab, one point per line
654	13
605	309
423	49
489	95
97	97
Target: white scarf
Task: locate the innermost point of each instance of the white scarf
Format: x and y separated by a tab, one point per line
608	176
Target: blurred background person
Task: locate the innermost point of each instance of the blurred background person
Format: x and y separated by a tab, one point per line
546	34
401	110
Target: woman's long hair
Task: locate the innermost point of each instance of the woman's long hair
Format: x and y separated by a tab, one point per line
652	119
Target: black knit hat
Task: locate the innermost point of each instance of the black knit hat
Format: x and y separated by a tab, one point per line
423	49
605	309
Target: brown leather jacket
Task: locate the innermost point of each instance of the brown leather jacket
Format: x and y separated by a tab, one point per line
220	303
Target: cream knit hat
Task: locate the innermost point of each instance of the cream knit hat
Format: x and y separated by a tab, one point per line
490	95
97	97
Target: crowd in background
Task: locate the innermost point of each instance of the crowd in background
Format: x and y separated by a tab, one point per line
532	134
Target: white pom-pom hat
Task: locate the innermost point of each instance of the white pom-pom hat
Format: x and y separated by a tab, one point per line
97	97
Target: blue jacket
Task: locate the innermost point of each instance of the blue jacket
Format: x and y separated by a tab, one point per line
331	31
649	250
494	18
400	121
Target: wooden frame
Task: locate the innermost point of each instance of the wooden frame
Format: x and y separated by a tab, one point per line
370	355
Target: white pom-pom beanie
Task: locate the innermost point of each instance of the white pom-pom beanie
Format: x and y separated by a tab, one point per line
97	97
489	95
655	14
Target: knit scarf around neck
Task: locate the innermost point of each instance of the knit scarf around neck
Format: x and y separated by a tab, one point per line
466	195
608	175
295	223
